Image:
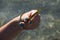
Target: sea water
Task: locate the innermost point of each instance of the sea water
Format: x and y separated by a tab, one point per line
49	28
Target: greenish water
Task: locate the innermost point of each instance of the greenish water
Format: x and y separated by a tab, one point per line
49	28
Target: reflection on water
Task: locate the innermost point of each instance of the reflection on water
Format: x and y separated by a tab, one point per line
49	28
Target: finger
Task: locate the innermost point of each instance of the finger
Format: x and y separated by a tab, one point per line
37	18
34	18
35	24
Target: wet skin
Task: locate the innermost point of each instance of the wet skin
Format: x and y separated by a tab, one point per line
11	29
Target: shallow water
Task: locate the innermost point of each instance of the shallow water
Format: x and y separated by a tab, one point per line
49	28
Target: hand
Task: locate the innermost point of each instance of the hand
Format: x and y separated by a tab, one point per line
12	28
33	23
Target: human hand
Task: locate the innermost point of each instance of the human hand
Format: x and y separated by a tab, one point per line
12	28
33	22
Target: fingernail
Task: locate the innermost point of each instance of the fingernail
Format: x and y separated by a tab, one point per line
21	24
26	19
30	22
